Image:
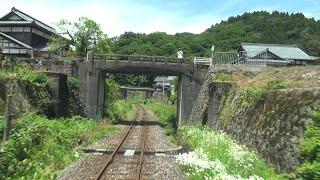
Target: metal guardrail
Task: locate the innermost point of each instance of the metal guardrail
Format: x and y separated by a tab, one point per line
247	58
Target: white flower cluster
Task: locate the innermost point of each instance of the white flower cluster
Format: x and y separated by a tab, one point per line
204	162
198	163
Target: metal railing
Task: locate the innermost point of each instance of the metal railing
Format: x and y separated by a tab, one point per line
141	58
247	58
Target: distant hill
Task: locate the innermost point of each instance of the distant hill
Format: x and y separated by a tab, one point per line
262	27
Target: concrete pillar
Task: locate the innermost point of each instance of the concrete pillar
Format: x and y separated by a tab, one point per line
179	98
188	89
92	88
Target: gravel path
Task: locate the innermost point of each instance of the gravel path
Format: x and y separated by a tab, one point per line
154	166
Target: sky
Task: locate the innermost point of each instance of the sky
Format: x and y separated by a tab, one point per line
147	16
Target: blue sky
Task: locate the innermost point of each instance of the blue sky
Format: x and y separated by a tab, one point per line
146	16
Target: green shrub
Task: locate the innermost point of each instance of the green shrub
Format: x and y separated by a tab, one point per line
2	124
112	95
74	103
277	84
39	148
28	74
310	149
222	77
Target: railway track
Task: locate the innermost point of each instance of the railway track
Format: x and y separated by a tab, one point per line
122	166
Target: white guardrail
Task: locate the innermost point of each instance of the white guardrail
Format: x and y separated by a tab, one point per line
202	60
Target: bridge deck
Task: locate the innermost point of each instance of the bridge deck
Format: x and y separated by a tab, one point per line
142	58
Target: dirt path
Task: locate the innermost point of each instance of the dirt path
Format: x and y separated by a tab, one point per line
155	165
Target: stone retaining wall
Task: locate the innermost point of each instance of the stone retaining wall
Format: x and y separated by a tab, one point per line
273	127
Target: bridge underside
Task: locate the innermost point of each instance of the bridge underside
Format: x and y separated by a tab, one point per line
127	67
92	82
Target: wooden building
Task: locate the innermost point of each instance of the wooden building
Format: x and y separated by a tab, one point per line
22	35
275	54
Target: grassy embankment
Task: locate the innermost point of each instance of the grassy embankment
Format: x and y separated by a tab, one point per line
214	155
39	147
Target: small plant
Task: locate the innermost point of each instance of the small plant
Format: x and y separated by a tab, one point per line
277	84
310	149
222	77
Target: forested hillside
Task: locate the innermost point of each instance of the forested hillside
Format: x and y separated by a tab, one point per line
259	27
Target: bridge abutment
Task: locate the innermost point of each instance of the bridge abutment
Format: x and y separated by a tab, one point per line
92	88
189	86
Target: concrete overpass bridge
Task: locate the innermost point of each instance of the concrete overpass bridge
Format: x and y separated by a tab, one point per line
92	76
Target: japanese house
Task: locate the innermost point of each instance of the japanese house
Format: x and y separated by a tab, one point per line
275	54
22	35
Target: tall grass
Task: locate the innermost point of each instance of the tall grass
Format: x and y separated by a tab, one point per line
166	115
217	156
39	148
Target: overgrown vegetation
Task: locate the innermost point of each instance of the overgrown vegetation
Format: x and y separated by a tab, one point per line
216	156
38	148
32	81
310	149
74	107
241	99
2	125
222	77
250	89
112	95
166	115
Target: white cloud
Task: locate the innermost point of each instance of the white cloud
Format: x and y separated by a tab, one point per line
114	18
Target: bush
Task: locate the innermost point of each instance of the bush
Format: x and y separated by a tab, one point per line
2	124
222	77
112	95
277	84
38	148
74	103
310	149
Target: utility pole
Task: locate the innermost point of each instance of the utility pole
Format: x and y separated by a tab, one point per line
7	129
163	88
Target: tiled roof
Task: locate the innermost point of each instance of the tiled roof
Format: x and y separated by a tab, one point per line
28	19
15	40
282	51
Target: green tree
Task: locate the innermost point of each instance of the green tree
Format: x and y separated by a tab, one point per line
83	35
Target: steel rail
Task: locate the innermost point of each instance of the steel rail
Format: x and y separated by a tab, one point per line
141	160
116	150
